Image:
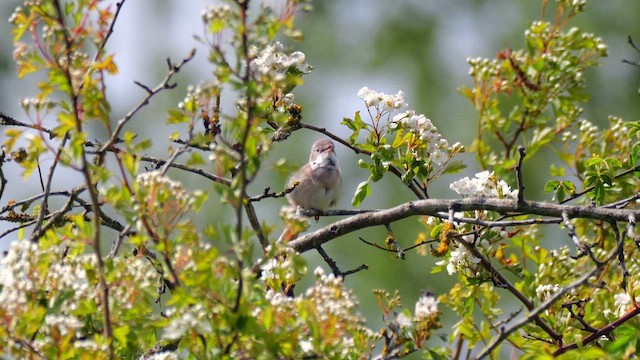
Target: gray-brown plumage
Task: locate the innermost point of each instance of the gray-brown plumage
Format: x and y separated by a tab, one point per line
319	181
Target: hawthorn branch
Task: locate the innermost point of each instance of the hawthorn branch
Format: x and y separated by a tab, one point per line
505	332
503	282
6	120
434	206
95	206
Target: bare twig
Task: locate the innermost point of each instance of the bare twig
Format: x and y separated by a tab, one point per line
255	225
9	121
3	180
353	271
522	153
116	244
165	84
55	217
332	263
44	206
267	193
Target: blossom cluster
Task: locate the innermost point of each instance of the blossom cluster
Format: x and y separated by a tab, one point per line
186	319
485	184
426	307
198	95
387	102
437	147
282	270
461	259
215	12
328	307
273	60
425	142
161	202
544	291
52	286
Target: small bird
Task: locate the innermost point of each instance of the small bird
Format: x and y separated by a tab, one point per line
319	181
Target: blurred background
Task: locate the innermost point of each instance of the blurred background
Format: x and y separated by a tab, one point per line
417	46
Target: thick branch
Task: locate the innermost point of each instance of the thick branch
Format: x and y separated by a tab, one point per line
433	206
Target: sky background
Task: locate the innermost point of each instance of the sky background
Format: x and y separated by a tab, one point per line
417	46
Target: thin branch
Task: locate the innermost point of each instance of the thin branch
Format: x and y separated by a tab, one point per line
587	189
116	244
353	271
332	263
522	153
95	206
44	206
376	245
255	224
165	84
498	278
267	193
119	5
583	249
161	162
623	266
433	207
604	331
624	202
3	180
9	121
55	217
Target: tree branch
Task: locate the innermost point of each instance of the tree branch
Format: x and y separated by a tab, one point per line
434	206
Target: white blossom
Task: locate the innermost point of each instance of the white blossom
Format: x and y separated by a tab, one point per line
192	318
460	260
483	185
273	60
404	321
546	290
388	102
426	306
306	346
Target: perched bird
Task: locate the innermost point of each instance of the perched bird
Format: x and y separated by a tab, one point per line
316	185
319	181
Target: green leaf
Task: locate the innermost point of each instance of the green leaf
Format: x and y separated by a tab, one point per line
469	303
354	125
363	190
177	117
454	167
435	232
593	161
635	154
120	334
551	186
